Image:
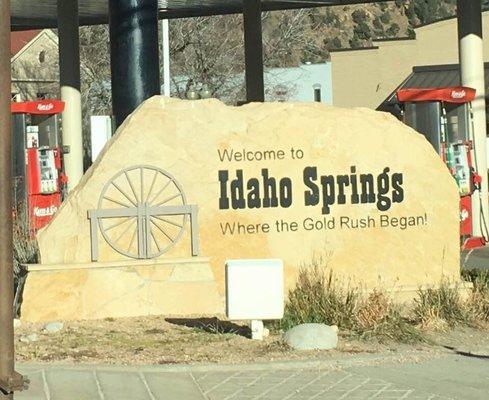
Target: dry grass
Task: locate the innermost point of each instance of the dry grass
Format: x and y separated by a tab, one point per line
25	251
438	308
443	308
319	298
24	245
373	310
479	299
379	317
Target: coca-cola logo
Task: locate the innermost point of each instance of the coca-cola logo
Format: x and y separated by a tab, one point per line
464	214
45	211
45	107
458	94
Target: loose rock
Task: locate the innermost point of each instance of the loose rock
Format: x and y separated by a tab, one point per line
53	327
312	337
29	338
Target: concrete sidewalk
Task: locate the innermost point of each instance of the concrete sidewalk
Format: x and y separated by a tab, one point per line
410	376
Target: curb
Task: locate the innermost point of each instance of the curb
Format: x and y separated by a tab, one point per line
333	363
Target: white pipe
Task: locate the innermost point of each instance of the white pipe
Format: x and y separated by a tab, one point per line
166	56
472	75
71	122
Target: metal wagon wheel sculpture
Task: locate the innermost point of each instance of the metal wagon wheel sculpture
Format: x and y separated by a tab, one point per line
130	202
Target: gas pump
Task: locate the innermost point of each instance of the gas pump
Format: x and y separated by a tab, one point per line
444	117
39	180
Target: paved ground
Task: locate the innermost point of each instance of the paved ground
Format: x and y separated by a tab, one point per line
409	376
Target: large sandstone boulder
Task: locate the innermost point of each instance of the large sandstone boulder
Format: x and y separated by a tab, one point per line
353	187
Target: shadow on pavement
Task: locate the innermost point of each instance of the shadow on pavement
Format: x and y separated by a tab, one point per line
212	325
467	354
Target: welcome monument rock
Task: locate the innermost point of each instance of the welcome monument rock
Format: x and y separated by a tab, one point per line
185	185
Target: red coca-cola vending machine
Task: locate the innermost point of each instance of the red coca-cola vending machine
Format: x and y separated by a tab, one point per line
39	180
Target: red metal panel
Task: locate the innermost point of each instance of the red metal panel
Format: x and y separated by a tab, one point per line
457	94
465	216
41	107
473	243
57	158
42	208
33	172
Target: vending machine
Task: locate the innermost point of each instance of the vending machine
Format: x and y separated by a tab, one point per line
444	117
38	178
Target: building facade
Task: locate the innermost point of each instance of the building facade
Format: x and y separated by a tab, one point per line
35	65
366	77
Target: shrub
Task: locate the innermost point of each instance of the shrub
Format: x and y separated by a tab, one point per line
379	317
385	17
336	43
25	246
317	298
393	30
25	251
378	24
359	16
362	31
355	43
479	298
440	304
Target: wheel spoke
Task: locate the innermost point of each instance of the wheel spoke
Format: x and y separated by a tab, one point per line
161	191
167	221
162	231
132	240
117	202
154	239
117	224
168	199
124	194
142	183
122	231
152	184
125	230
132	186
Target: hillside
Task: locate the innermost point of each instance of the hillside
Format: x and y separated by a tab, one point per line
208	51
356	26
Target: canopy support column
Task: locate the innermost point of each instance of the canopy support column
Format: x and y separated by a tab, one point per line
134	57
469	13
69	77
9	379
253	47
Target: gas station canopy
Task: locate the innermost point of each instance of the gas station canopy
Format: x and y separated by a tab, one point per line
29	14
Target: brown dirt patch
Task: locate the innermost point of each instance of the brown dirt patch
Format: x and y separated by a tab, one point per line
156	340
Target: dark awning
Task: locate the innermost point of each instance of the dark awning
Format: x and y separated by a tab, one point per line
431	76
29	14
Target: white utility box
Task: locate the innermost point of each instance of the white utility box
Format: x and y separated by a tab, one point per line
101	132
254	289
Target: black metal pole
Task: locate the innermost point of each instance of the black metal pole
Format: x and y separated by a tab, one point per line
471	55
469	18
253	47
69	79
134	54
69	44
